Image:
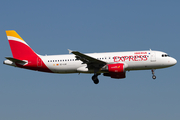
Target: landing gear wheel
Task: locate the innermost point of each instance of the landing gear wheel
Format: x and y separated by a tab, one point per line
95	79
154	77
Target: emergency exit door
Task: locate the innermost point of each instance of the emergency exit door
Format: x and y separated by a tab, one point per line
153	57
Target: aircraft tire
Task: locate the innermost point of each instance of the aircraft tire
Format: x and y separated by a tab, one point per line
95	79
154	77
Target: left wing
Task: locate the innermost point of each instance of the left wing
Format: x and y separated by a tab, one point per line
91	62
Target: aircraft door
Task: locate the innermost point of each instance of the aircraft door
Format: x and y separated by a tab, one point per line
39	62
153	57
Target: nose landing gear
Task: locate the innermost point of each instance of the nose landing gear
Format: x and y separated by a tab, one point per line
154	77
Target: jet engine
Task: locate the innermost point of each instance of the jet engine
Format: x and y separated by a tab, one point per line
115	70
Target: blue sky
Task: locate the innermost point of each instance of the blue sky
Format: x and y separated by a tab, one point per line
52	27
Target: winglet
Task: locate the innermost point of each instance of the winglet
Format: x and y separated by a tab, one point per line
70	51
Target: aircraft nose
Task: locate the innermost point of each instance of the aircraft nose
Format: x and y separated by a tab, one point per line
173	61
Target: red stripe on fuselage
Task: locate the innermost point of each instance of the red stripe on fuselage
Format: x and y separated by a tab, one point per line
22	51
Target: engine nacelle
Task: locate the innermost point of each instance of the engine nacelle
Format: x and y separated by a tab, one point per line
116	67
115	70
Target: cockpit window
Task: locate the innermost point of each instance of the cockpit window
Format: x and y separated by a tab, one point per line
165	55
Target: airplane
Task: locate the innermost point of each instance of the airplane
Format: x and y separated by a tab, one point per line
110	64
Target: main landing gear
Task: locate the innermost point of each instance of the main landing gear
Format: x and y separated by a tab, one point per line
95	78
154	77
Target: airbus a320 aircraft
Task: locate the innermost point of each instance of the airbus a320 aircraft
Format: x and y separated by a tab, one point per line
112	64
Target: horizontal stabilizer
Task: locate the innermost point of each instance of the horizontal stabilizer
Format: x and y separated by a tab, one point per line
16	60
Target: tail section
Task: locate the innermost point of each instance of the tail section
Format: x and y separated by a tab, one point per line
19	48
23	55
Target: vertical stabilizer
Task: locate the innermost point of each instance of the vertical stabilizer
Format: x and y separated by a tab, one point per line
23	55
19	48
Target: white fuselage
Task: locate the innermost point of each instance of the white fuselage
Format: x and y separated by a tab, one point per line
134	60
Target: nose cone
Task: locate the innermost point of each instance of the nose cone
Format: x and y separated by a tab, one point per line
173	61
169	61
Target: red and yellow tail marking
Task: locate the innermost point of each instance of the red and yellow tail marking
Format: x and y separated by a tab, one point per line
13	33
22	51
